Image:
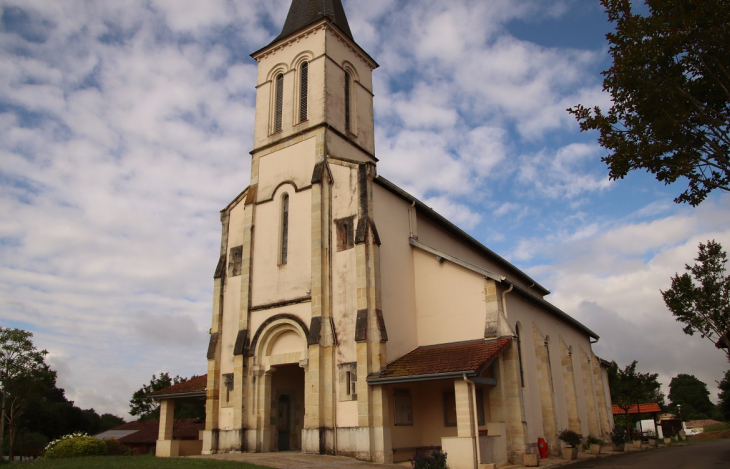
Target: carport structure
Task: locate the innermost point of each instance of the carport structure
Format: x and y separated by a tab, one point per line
192	390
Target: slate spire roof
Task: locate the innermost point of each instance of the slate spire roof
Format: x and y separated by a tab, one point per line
302	13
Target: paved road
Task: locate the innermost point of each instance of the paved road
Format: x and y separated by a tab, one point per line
701	455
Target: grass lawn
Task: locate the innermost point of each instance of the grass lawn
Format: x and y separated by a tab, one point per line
133	462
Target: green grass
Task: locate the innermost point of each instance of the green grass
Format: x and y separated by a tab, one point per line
718	427
134	462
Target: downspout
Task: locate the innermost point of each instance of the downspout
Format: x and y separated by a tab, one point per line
410	219
504	298
470	384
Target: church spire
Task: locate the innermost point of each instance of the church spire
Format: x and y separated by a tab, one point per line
302	13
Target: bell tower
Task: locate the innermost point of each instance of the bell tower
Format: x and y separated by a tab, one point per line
297	321
314	77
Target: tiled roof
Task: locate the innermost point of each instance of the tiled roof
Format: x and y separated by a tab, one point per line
444	358
146	432
648	408
196	384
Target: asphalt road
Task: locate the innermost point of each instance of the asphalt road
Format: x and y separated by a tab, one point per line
701	455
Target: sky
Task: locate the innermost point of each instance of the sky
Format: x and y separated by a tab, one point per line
126	126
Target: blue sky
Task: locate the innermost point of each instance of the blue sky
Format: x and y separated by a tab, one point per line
125	127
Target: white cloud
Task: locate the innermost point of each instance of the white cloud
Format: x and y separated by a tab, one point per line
610	278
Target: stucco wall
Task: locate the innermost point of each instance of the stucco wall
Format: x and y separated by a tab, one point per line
449	301
398	283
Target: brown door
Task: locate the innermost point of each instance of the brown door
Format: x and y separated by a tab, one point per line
283	423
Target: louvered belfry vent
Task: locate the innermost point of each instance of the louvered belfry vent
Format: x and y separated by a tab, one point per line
347	101
279	102
303	87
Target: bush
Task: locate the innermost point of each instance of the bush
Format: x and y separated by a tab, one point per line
77	447
570	438
618	435
115	448
435	459
594	440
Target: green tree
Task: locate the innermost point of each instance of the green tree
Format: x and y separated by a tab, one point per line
20	362
723	402
629	387
143	406
702	301
692	395
670	88
108	421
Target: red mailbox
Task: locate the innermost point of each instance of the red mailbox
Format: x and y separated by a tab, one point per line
542	446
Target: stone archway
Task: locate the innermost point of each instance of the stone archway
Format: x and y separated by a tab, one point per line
280	362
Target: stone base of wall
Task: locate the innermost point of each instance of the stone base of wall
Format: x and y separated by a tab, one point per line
224	441
460	452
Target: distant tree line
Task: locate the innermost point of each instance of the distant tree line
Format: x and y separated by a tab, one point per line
34	409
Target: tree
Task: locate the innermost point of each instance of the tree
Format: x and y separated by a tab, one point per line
108	421
629	388
724	397
144	407
703	304
692	395
20	363
670	87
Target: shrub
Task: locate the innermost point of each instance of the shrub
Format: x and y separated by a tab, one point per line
618	435
594	440
115	448
77	447
435	459
570	438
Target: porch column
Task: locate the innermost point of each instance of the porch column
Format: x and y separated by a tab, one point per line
461	449
166	446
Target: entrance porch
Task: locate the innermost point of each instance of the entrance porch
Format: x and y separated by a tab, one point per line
447	396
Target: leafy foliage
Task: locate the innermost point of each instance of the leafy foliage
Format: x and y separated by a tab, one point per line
692	395
702	301
724	397
22	365
115	448
629	387
77	447
570	438
618	436
670	87
434	459
144	407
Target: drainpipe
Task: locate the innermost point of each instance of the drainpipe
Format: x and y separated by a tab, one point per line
504	298
410	218
470	384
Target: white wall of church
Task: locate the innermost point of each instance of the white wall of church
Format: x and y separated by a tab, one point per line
397	276
449	301
344	273
272	281
439	238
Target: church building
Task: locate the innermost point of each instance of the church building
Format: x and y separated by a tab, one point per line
348	317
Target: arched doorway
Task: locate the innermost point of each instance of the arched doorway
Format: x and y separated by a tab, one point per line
280	346
287	400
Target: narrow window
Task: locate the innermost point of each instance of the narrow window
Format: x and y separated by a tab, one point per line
284	228
403	407
347	101
348	382
449	409
549	366
303	86
519	356
279	102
